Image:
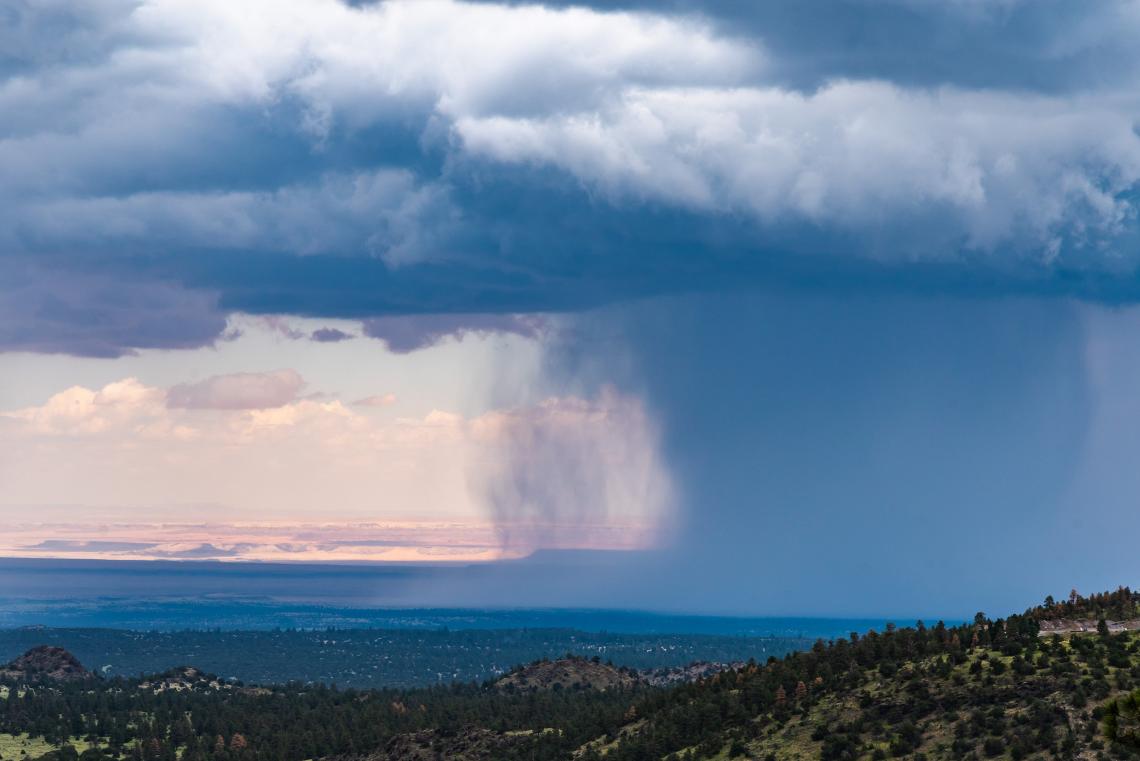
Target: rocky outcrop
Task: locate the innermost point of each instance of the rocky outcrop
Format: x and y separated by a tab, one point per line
669	676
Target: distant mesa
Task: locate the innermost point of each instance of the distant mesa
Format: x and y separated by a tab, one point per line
46	663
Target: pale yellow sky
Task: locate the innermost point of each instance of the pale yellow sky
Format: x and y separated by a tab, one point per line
273	430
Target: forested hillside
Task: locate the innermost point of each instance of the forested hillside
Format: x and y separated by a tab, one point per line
992	688
379	657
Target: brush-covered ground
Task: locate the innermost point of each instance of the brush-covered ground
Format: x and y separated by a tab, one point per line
990	689
988	704
365	658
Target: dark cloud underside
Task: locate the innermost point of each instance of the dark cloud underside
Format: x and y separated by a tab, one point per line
836	245
586	158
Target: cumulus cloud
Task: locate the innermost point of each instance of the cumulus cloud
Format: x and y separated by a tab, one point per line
239	391
156	97
435	169
395	158
221	445
125	405
59	311
382	212
1050	45
407	333
124	444
999	169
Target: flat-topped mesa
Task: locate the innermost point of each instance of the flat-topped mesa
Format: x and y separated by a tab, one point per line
46	663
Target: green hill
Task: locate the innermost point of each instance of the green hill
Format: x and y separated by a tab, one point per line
989	689
1027	686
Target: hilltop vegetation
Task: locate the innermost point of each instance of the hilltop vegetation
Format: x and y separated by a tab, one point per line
44	663
570	673
379	657
989	689
199	718
1121	605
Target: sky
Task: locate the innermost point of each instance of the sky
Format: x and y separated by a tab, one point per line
814	307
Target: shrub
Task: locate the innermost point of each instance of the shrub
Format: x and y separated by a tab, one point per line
1122	721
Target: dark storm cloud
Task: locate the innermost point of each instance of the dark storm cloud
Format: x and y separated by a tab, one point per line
682	147
844	454
330	335
830	242
406	333
58	311
1051	45
900	439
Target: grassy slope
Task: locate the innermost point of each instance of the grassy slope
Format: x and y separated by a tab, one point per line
973	705
21	746
25	747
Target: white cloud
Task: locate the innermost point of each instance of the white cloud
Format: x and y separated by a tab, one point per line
122	406
993	168
235	441
639	106
157	131
151	100
160	66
